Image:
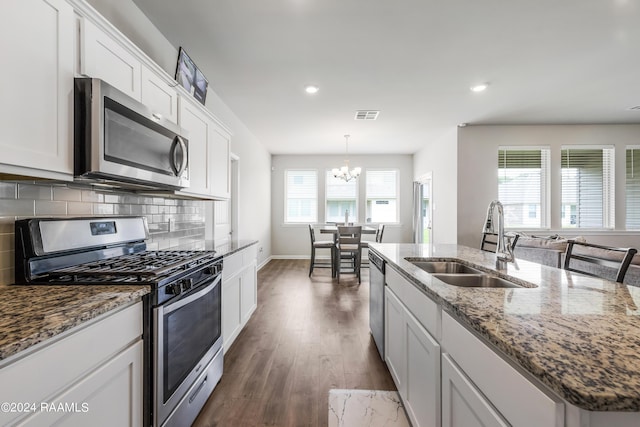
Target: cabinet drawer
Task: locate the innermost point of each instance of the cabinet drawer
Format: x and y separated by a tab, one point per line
49	371
231	265
249	254
517	399
421	306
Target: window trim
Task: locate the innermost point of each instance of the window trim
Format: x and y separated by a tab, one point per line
626	204
286	198
608	191
397	170
545	187
326	198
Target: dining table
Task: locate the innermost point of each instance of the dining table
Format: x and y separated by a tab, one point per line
333	229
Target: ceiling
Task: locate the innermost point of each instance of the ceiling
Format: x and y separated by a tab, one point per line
547	61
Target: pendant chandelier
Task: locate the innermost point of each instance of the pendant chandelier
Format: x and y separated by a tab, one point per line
344	172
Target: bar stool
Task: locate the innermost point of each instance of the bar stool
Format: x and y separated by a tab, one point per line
321	245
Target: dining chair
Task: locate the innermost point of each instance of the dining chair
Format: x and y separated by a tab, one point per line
605	262
489	241
322	244
348	248
379	233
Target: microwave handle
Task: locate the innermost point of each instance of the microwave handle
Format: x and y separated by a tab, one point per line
178	141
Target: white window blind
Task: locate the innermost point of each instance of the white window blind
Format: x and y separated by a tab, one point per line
633	188
301	203
523	186
588	187
341	196
382	195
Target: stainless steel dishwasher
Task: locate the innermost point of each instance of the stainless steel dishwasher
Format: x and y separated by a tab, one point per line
376	300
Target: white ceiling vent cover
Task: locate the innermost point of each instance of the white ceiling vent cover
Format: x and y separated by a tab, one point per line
367	114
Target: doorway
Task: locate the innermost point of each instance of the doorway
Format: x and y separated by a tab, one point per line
423	209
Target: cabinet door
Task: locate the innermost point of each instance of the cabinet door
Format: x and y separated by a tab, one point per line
198	127
103	57
231	315
220	163
159	95
109	396
248	292
395	339
37	86
422	398
462	404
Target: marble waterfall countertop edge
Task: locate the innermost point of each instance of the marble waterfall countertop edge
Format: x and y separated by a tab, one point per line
578	335
31	314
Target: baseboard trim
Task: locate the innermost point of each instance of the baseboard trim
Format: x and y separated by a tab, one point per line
263	263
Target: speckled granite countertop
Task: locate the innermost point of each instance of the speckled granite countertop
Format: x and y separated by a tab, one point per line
578	335
32	314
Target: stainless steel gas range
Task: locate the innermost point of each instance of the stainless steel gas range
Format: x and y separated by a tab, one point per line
182	314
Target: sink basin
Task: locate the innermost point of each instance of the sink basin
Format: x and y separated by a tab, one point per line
447	267
475	281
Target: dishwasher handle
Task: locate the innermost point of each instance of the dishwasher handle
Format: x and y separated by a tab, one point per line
377	260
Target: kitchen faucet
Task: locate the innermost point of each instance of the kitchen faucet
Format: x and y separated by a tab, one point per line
504	253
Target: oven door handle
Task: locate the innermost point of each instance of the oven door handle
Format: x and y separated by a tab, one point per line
181	303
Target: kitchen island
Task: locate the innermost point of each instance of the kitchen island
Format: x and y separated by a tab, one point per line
576	338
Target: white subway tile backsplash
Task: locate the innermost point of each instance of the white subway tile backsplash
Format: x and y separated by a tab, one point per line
48	207
9	207
79	208
102	209
67	194
37	192
8	190
91	196
28	199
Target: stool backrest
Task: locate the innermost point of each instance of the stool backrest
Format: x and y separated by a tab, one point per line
598	260
349	235
312	234
379	233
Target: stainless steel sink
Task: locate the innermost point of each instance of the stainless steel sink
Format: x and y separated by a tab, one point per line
447	267
476	281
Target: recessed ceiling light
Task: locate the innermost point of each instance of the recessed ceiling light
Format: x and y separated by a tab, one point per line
311	89
479	88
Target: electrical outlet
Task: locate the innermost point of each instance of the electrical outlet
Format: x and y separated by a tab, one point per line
260	249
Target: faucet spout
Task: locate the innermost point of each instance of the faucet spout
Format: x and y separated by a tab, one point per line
504	252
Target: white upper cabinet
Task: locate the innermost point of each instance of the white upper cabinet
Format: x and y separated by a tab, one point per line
159	95
37	88
103	57
220	163
209	152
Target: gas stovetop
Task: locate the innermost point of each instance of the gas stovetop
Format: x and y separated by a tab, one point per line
149	268
105	251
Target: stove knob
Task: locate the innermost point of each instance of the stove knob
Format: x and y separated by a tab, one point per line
212	269
173	289
187	284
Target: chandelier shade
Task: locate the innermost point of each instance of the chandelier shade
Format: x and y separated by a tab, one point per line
344	172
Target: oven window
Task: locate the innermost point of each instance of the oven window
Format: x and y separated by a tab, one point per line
189	332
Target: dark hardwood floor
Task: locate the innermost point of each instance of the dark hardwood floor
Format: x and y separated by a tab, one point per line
307	336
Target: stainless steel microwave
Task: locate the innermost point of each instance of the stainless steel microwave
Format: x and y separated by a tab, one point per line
119	141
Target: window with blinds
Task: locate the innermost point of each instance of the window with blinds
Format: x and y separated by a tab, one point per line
588	187
523	186
382	195
301	190
632	189
340	197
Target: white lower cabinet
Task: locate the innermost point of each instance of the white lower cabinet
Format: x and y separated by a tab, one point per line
462	404
92	376
239	293
413	357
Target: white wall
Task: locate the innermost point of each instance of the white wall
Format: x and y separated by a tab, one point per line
255	160
440	157
477	176
293	239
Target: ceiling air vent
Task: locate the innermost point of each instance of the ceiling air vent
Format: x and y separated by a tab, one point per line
367	115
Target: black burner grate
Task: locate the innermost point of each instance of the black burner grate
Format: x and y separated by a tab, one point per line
140	268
